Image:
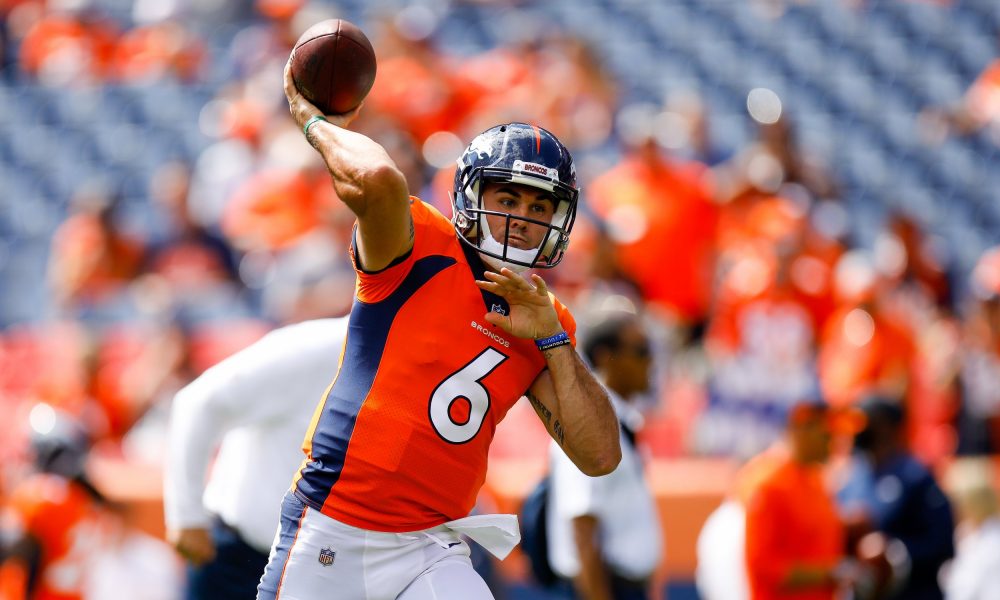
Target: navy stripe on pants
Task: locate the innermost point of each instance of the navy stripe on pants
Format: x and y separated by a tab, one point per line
292	511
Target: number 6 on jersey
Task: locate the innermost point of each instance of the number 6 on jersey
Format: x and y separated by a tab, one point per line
464	384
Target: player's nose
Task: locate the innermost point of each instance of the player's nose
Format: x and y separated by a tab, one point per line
517	214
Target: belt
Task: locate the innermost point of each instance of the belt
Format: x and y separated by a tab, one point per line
626	582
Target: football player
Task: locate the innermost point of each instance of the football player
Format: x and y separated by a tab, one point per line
445	335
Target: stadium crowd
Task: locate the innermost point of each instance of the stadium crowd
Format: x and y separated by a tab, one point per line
741	261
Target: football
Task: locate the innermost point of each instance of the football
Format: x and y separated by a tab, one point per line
333	66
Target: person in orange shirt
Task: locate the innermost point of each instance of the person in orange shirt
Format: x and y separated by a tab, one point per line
661	216
93	259
863	348
53	518
158	51
419	90
69	47
795	542
721	547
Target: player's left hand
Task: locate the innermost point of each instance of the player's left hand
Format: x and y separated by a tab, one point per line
532	314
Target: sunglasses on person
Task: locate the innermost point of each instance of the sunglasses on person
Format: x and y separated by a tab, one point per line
638	350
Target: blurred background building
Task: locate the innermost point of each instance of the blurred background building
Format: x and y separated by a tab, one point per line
801	198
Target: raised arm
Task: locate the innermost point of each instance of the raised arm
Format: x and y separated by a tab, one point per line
365	179
572	404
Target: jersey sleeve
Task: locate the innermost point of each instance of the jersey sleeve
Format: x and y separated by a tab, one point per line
566	319
373	286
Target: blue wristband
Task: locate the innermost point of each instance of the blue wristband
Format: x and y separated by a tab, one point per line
559	339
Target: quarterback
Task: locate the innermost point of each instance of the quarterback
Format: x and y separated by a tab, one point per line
445	335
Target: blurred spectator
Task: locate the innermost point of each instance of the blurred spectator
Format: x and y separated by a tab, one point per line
591	279
660	215
774	160
901	502
761	347
977	110
778	212
977	372
187	255
554	79
914	299
778	242
293	230
63	538
604	532
53	521
583	93
863	349
416	87
134	565
93	259
159	51
43	362
975	572
721	570
794	537
721	573
271	209
909	256
257	403
68	47
134	367
687	131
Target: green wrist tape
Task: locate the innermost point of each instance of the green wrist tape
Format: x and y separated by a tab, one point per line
309	123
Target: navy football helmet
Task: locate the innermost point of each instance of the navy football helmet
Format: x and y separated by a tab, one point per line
59	443
523	154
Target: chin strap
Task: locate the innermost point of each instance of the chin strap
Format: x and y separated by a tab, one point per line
498	264
524	257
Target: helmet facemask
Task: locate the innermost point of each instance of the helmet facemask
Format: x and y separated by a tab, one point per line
470	217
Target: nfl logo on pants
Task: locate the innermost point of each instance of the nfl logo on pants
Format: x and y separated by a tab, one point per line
326	557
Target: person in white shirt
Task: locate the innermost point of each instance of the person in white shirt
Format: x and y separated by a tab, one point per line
721	572
258	403
604	532
974	574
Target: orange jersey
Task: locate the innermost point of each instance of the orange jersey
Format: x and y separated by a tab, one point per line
670	209
63	519
400	440
791	519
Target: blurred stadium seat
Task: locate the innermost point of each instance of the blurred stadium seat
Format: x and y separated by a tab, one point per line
873	69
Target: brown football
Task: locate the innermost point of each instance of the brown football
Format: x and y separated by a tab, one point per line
333	66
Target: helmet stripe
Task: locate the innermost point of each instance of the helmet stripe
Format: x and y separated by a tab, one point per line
538	140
